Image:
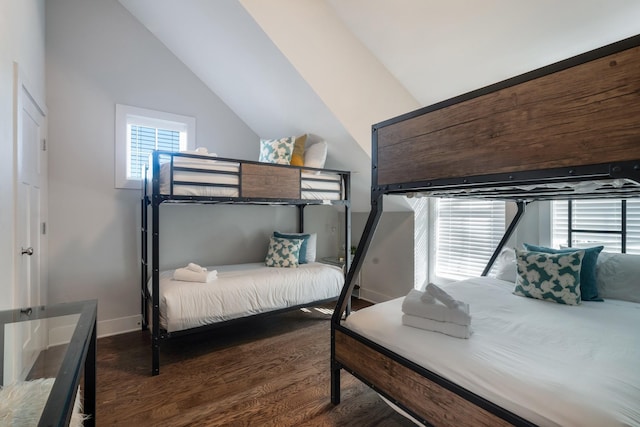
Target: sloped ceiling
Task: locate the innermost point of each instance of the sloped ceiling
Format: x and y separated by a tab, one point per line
333	68
439	49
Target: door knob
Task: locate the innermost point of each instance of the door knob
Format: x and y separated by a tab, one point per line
28	251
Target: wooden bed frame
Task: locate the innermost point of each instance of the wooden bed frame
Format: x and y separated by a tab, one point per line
258	184
532	137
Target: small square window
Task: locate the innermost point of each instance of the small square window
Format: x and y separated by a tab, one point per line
140	131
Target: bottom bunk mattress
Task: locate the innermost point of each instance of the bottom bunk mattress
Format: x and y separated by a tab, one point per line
243	290
552	364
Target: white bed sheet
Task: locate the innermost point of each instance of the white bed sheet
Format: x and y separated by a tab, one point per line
309	183
552	364
243	290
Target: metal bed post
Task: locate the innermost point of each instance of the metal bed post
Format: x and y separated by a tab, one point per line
345	295
155	273
506	236
301	218
144	252
347	235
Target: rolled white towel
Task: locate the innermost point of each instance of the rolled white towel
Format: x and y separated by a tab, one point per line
414	306
427	298
447	328
442	296
195	267
187	275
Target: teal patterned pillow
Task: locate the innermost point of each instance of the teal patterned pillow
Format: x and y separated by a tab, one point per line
588	287
277	150
283	252
302	256
551	277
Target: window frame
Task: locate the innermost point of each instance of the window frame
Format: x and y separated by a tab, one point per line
624	232
125	115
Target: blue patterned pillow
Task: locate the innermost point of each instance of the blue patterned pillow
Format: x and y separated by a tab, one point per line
588	286
551	277
277	150
302	256
283	252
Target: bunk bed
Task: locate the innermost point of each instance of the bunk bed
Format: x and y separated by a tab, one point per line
171	308
568	130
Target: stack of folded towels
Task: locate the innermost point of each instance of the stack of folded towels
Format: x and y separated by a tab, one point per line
194	273
435	310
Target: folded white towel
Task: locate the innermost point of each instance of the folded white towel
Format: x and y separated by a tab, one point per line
195	267
427	298
414	306
187	275
441	296
451	329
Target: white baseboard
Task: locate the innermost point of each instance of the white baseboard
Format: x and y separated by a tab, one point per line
117	326
373	296
62	334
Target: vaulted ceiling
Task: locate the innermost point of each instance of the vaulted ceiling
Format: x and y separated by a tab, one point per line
332	68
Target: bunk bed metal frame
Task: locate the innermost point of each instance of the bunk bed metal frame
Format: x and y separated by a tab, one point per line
590	101
151	203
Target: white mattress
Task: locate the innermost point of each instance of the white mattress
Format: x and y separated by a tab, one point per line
242	290
552	364
309	183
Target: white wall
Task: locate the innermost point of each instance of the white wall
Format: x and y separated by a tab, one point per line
388	269
21	40
99	55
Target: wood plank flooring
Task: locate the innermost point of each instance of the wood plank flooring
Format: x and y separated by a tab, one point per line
271	372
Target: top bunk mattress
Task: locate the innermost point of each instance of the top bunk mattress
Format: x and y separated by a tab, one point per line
243	290
209	177
552	364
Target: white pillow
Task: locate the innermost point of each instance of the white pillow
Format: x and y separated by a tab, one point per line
311	245
316	155
505	266
618	276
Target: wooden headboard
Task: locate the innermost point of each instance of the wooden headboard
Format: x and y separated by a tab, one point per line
581	111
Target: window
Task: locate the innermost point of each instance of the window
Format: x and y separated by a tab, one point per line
467	233
139	132
613	223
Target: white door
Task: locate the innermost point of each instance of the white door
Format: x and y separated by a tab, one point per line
30	285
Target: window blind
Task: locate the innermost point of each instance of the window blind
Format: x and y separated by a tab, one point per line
146	139
597	222
467	233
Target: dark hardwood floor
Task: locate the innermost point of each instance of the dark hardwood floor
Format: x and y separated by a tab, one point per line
270	372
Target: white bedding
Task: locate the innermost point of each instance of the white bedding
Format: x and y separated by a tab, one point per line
242	290
552	364
309	183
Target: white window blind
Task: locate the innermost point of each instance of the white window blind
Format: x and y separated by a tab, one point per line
467	233
139	131
597	222
143	140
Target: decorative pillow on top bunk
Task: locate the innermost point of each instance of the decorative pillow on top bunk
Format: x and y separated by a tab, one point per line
588	286
308	248
283	252
315	156
278	151
297	157
550	277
